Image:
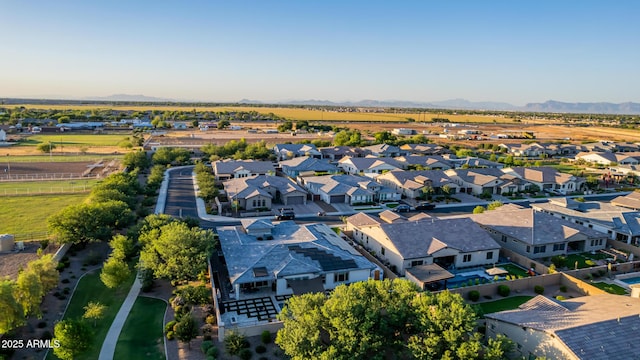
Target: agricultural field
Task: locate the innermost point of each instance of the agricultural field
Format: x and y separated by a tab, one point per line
13	188
25	216
69	144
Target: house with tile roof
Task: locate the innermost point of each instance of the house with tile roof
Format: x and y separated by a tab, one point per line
335	153
231	169
423	149
289	151
619	223
431	162
548	178
536	234
598	327
486	180
383	150
263	191
281	253
526	150
473	162
413	184
449	243
370	166
606	158
630	201
307	166
349	189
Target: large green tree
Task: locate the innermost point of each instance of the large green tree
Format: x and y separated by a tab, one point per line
29	292
380	320
89	222
74	337
136	159
114	272
11	310
178	252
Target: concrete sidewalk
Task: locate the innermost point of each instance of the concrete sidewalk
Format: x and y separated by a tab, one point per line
109	345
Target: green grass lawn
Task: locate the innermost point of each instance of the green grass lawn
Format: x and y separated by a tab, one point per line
582	259
52	186
610	288
75	139
90	288
514	270
141	336
509	303
28	214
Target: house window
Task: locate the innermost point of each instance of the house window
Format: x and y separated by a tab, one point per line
539	249
382	251
528	248
466	258
264	203
340	277
558	247
254	202
504	238
490	255
417	263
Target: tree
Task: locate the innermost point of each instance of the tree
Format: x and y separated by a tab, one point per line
234	342
114	272
94	311
136	159
74	338
176	251
29	292
369	320
122	247
384	137
446	190
186	330
223	124
478	209
46	147
45	268
11	310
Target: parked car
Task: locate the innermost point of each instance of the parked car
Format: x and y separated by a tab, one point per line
402	208
286	214
425	206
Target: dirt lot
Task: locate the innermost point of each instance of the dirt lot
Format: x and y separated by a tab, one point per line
12	262
48	167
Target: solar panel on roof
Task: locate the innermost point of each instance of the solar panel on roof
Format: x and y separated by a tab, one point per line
328	262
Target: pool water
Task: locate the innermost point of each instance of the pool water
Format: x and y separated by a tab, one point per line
456	281
631	281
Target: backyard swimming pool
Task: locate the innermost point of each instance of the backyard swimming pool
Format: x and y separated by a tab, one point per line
631	281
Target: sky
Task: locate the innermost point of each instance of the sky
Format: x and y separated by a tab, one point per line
224	51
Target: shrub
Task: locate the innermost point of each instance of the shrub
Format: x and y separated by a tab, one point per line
234	343
590	262
245	354
538	289
474	295
504	290
65	281
560	297
261	349
265	337
170	325
563	288
212	351
601	272
170	335
211	319
559	261
205	346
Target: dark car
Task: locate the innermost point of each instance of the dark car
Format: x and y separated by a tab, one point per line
402	208
286	214
426	206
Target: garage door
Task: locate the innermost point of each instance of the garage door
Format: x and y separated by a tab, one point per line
336	199
295	200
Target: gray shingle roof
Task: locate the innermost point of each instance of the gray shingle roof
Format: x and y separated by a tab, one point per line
231	166
243	187
305	163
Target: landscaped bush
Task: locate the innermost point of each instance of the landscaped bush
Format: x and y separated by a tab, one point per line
559	261
474	295
205	346
601	272
170	325
245	354
170	335
265	337
211	319
261	349
212	351
560	297
504	290
590	262
538	289
563	288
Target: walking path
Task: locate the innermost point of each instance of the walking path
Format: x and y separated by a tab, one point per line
109	345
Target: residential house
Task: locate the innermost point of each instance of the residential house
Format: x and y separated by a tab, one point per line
368	166
601	146
231	169
449	243
606	158
289	151
262	191
423	149
307	166
619	223
350	189
474	162
597	327
335	153
525	150
562	149
486	180
630	201
383	150
536	234
548	178
278	256
420	162
415	184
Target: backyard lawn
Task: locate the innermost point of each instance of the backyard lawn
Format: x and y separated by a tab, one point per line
509	303
610	288
141	336
90	288
514	270
584	260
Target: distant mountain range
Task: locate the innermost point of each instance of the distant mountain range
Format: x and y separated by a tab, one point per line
551	106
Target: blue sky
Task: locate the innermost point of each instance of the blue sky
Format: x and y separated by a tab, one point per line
511	51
